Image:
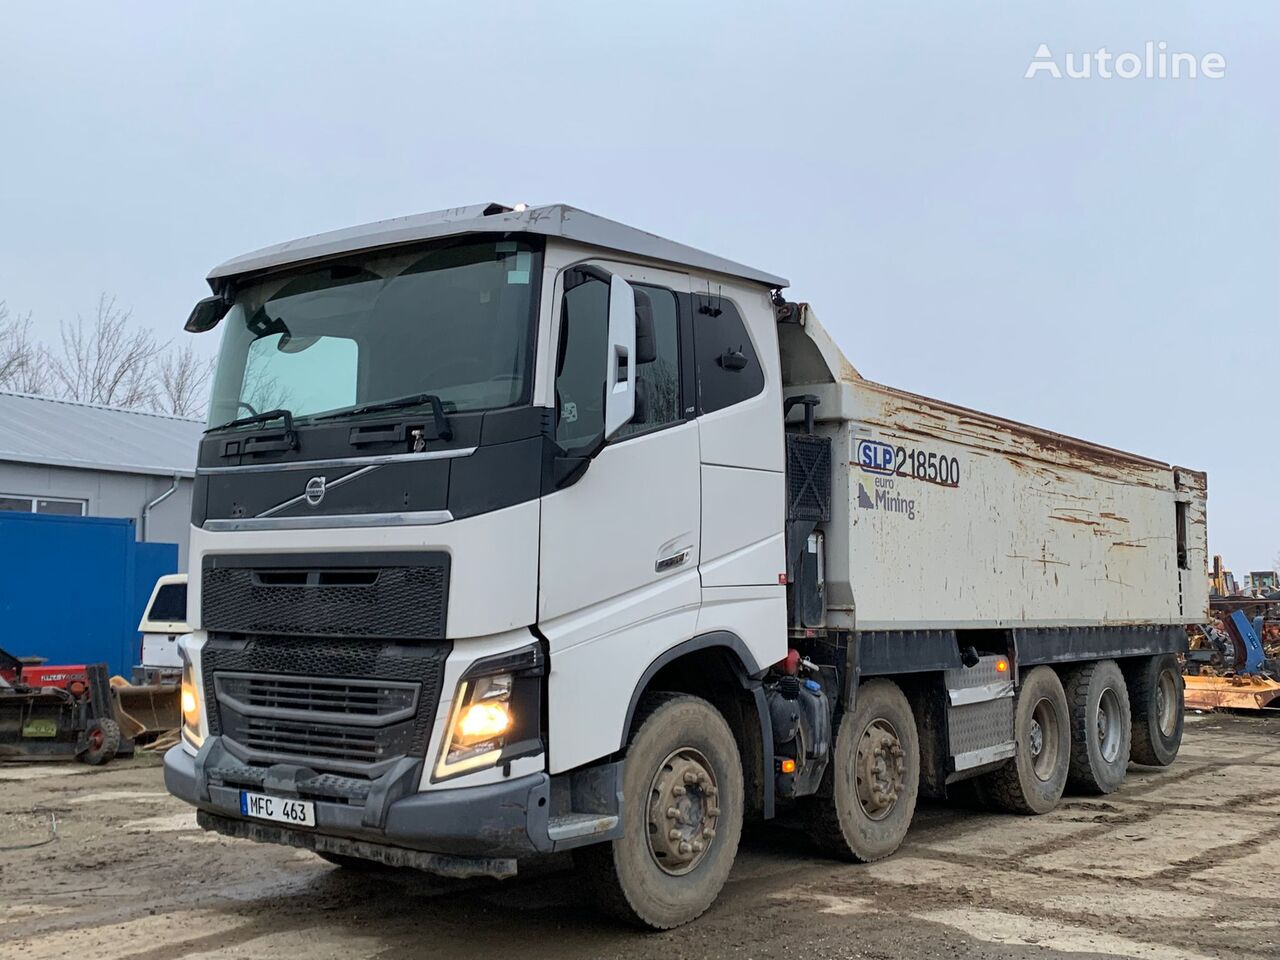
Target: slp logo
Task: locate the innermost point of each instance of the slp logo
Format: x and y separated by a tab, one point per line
875	457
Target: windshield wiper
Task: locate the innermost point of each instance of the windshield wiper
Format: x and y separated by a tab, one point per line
287	441
443	430
265	417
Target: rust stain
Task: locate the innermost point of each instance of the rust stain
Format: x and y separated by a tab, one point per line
1031	442
1127	543
1080	520
1040	560
1114	516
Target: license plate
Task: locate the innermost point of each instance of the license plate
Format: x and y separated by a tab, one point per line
299	813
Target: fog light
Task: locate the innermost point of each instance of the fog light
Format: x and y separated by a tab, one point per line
190	706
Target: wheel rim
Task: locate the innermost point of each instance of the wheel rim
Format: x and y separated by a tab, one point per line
95	738
1109	725
879	769
1043	739
683	811
1167	703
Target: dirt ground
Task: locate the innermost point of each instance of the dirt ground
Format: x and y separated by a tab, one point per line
1183	863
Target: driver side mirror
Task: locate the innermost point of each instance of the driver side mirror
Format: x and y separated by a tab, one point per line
206	314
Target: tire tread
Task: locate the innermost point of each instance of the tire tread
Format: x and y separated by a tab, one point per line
1082	776
1144	681
822	819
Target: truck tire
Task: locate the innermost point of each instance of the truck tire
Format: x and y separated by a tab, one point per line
1156	705
682	816
1033	781
1100	726
102	740
868	796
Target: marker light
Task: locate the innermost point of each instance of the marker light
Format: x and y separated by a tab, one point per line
1002	665
788	765
189	701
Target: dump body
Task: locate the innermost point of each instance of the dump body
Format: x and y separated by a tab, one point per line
958	519
947	518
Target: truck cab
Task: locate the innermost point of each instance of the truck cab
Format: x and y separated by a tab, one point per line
471	480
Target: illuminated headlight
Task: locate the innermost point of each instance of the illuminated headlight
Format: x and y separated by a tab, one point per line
496	715
189	701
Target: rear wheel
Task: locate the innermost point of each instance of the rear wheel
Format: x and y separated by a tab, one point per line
1156	705
1033	781
102	741
682	816
868	796
1100	726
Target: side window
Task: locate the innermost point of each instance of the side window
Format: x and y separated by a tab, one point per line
728	369
657	361
580	360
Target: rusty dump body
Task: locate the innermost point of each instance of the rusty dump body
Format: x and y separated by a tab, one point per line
959	519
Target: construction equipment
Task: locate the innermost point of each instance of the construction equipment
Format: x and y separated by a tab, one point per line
54	712
148	708
1239	675
81	711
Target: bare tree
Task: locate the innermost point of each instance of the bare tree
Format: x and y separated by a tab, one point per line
108	361
262	390
182	382
22	360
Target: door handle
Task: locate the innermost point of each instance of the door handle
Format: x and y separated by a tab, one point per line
673	560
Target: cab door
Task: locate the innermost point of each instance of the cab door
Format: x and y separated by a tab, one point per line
619	550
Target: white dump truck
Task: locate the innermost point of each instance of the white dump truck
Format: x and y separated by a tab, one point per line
519	530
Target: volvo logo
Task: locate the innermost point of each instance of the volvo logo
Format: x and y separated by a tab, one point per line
314	491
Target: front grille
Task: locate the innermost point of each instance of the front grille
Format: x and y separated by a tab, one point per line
348	598
352	707
318	699
349	744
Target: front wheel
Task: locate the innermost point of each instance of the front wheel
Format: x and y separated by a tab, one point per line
682	816
868	795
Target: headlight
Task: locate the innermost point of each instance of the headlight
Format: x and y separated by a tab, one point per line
497	713
189	702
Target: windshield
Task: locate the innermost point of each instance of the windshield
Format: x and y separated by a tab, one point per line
455	321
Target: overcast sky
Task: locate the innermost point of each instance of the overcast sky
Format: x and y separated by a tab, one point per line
1098	257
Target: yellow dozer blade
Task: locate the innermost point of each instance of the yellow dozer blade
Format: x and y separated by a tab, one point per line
1231	693
147	712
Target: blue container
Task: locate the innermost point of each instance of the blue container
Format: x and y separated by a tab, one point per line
72	589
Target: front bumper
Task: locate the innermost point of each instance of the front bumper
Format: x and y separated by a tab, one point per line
504	820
